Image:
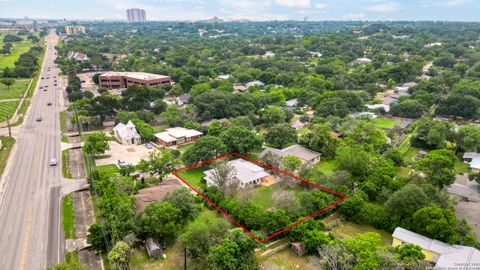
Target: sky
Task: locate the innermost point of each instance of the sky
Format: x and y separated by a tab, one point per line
315	10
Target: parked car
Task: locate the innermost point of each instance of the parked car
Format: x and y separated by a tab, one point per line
149	146
53	162
121	163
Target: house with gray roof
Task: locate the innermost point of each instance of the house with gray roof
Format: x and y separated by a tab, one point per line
127	133
296	150
473	159
245	174
443	255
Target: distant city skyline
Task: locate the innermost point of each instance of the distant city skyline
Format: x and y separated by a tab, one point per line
445	10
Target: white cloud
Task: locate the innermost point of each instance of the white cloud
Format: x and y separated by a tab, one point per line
452	3
293	3
353	16
386	7
321	6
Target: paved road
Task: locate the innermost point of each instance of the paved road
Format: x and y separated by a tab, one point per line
30	232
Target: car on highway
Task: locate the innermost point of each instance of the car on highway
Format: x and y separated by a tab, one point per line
42	78
41	87
55	84
53	162
38	118
49	103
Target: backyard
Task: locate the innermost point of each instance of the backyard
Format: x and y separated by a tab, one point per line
386	123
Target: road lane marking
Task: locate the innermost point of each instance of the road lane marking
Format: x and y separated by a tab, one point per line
27	236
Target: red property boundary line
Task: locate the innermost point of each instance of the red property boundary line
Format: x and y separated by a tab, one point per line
261	241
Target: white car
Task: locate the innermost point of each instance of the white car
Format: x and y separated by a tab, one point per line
53	162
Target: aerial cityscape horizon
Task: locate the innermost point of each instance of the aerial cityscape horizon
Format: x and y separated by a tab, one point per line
263	10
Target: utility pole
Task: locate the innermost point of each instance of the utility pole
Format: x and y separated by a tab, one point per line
8	124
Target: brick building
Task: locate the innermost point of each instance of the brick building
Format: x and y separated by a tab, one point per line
124	79
177	136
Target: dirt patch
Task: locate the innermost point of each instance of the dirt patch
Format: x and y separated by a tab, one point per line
268	181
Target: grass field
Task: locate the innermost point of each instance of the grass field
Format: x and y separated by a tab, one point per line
193	176
63	121
17	50
66	164
7	145
15	91
386	123
68	219
327	166
349	229
7	109
110	169
285	260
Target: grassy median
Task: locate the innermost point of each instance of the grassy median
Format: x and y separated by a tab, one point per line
66	164
68	217
7	145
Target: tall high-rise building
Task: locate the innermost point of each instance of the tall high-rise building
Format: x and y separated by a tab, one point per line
136	15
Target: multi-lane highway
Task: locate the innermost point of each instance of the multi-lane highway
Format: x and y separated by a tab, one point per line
30	214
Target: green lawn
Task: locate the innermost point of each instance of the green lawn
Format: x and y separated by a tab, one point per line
185	147
285	260
461	167
7	145
7	109
110	169
63	121
386	123
350	228
15	91
68	218
262	196
403	172
193	176
66	164
254	154
159	128
17	50
327	166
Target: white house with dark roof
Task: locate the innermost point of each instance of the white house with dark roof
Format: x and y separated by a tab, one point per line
296	150
127	133
244	173
443	255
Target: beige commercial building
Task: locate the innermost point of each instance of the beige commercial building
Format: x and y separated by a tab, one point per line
74	29
124	79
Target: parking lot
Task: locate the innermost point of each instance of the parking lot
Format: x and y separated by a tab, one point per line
131	154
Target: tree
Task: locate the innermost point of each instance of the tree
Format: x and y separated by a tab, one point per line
161	220
438	167
314	239
408	251
95	78
234	252
465	106
97	235
97	143
280	135
468	138
404	202
7	82
409	108
205	148
183	200
319	138
241	140
200	236
145	130
158	163
437	223
119	256
272	115
290	164
357	161
223	175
